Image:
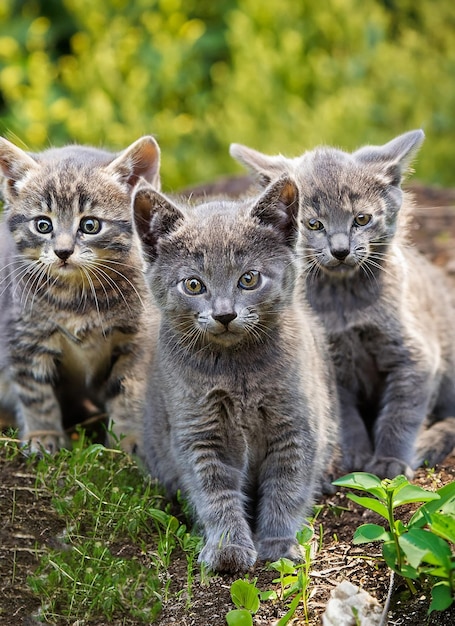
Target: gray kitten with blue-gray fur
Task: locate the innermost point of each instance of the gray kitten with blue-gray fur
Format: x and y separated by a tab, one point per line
241	413
388	312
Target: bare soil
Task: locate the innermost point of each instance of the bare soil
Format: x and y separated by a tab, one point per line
29	524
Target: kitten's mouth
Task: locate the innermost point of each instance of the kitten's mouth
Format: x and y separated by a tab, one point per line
340	267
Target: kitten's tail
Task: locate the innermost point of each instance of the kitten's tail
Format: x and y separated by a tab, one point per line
435	443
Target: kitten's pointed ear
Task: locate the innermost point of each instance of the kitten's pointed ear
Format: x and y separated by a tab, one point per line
266	168
155	216
14	163
278	207
393	159
140	160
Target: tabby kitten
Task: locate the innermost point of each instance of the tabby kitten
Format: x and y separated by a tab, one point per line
240	414
73	295
387	310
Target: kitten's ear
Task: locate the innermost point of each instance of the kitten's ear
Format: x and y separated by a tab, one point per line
155	216
266	168
14	163
140	160
393	159
278	207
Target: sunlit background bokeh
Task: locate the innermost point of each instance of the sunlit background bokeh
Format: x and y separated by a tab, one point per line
278	75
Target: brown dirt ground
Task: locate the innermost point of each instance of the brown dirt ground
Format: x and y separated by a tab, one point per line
28	523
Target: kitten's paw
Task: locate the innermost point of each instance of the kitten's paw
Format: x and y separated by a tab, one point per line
274	548
228	558
388	467
44	441
355	459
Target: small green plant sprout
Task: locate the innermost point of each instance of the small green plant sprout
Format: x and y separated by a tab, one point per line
422	546
295	579
247	598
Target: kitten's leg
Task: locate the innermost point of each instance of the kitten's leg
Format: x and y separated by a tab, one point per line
212	454
405	405
286	490
435	443
357	449
126	389
33	370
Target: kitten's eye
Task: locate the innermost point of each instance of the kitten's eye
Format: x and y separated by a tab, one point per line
43	225
362	219
90	225
249	280
194	287
314	224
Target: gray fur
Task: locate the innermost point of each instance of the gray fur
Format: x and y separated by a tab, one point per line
241	413
388	311
73	321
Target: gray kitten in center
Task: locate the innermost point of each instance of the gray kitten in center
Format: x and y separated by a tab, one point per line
241	413
388	312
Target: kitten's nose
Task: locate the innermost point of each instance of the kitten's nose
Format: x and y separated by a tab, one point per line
225	318
64	254
340	253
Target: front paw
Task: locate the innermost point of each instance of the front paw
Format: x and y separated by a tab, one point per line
355	459
388	467
46	441
228	558
274	548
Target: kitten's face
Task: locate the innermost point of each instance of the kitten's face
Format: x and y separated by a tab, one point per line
229	285
71	222
69	210
349	202
348	216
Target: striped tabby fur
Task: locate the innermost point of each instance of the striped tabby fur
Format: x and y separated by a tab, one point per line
73	299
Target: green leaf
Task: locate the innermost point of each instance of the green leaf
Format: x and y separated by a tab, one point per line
395	484
446	504
413	493
441	597
370	503
389	553
305	534
371	532
422	545
443	525
283	565
271	594
363	482
239	617
245	595
292	608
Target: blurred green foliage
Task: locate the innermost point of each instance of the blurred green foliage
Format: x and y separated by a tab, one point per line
281	76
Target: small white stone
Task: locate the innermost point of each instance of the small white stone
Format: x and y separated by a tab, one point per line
343	599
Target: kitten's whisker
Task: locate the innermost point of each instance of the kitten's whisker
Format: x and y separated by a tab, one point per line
99	264
93	290
98	274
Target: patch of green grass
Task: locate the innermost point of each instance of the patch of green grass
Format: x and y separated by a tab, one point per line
113	557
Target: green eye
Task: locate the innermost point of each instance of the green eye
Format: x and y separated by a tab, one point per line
43	225
362	219
194	287
249	280
90	225
314	224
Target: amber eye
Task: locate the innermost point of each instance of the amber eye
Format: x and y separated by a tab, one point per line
362	219
43	225
194	287
90	225
249	280
314	224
